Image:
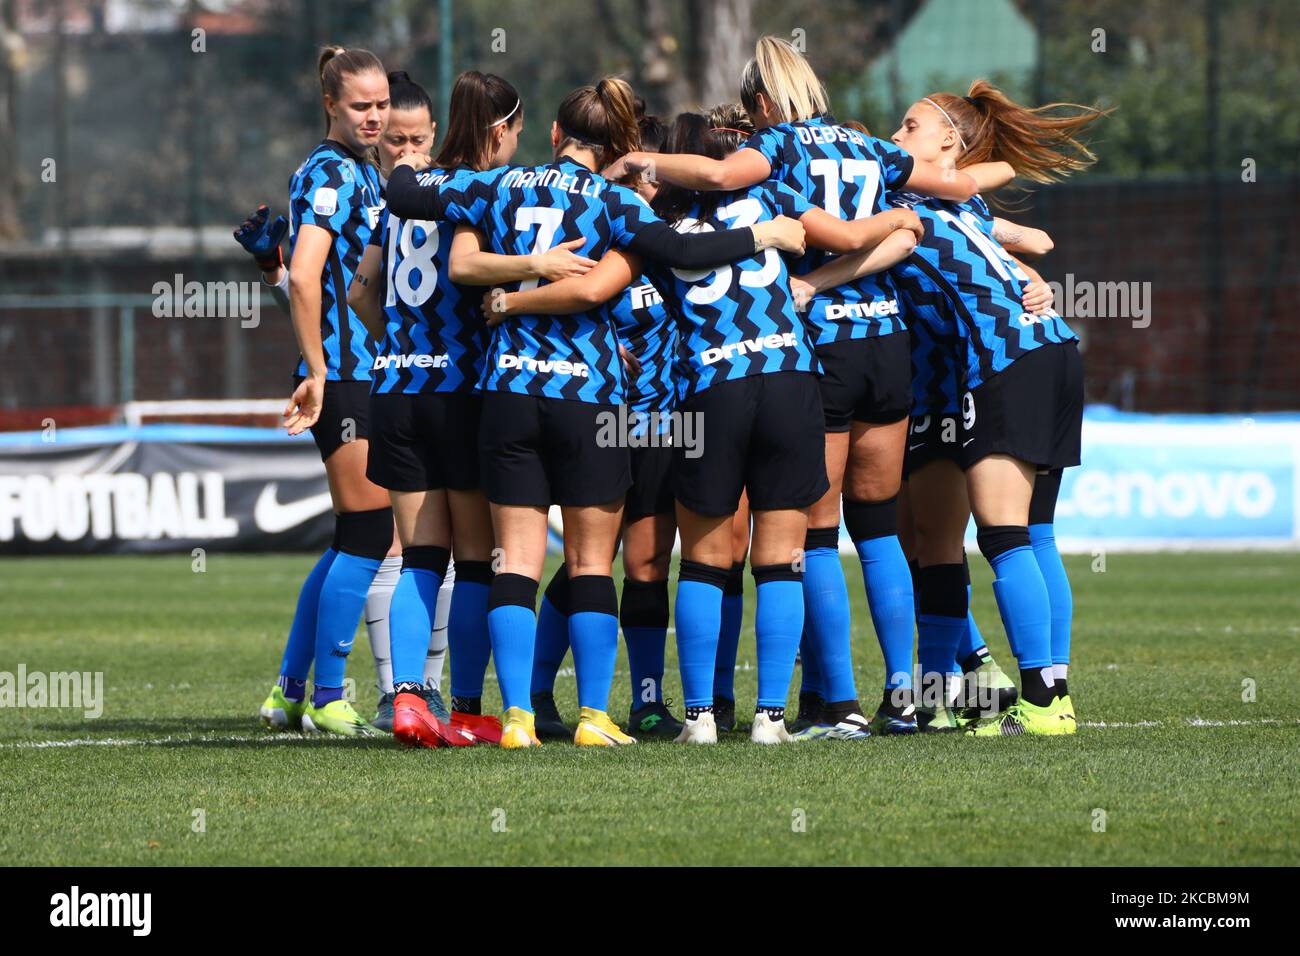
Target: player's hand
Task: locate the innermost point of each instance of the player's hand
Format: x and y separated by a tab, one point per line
633	162
261	238
907	219
561	262
1037	297
782	232
630	361
417	161
802	292
304	406
495	307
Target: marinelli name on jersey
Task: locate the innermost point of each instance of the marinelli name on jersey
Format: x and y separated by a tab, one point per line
585	184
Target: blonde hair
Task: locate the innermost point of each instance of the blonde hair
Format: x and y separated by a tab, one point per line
781	73
1041	143
336	62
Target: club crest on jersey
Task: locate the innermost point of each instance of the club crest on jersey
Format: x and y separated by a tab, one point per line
326	201
421	360
543	366
719	353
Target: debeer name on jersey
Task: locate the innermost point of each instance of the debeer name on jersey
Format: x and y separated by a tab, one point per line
720	353
829	134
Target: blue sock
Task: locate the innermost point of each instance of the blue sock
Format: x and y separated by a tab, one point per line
810	669
643	612
342	598
593	634
733	614
937	650
512	627
413	611
698	616
1042	537
467	633
552	633
300	648
826	613
943	622
320	696
1023	603
971	640
778	622
893	611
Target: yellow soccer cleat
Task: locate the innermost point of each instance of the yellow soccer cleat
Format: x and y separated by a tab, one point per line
1025	718
1067	712
518	731
595	729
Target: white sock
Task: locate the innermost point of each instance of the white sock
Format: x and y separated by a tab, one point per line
378	599
437	654
1059	671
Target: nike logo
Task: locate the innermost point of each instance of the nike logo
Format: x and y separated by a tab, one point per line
967	442
272	516
915	447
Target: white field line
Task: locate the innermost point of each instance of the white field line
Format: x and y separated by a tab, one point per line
276	738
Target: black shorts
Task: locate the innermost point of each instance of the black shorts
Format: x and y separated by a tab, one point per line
652	483
930	438
424	441
763	434
344	415
866	380
549	451
1031	410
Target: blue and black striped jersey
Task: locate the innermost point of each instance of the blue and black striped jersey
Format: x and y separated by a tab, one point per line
981	284
338	191
526	210
850	175
649	334
934	356
737	320
435	335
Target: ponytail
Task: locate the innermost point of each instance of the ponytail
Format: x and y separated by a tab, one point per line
405	94
1041	143
602	118
335	63
480	102
781	73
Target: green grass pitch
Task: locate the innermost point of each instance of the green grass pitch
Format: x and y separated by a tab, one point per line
1175	762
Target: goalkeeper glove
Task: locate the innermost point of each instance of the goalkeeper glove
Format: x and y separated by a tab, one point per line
261	239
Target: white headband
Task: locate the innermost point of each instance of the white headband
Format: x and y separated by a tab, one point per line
949	119
512	113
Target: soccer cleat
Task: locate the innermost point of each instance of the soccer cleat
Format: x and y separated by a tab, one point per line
811	706
384	713
549	726
436	706
518	732
701	730
1067	713
988	691
484	728
280	713
936	720
336	717
595	729
849	727
768	731
1024	718
724	713
884	724
653	720
417	726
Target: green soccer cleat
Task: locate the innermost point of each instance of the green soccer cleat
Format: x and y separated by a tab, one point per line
1024	719
1067	713
936	720
337	717
433	698
280	713
987	691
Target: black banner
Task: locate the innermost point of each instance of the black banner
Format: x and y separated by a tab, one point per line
152	497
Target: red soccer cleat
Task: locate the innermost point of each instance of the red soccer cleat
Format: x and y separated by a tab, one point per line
484	728
415	726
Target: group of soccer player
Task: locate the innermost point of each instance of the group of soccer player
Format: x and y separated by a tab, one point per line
725	330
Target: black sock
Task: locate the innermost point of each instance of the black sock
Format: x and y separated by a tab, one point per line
896	701
833	713
408	687
1060	689
1033	687
692	713
774	713
467	705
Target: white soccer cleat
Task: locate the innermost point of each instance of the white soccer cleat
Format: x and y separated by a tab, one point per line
701	730
769	731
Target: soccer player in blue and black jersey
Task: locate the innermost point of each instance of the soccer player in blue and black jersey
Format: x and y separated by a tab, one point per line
746	373
335	203
550	382
858	333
